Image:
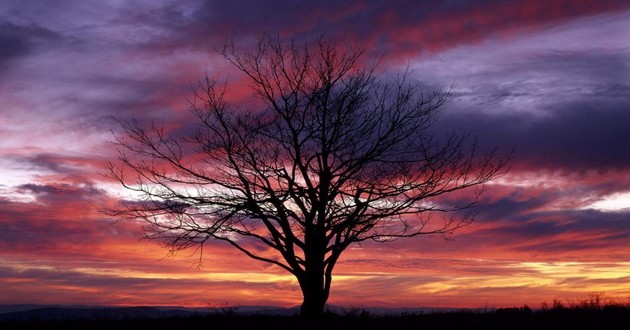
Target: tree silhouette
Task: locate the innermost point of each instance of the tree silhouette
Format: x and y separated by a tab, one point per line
333	153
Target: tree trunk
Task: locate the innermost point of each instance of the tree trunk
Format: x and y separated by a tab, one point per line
312	281
314	292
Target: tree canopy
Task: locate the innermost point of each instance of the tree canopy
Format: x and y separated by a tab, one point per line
334	152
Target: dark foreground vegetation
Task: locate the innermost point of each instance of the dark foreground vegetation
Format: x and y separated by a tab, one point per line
556	316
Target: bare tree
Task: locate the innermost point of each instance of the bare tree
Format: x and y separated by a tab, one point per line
334	154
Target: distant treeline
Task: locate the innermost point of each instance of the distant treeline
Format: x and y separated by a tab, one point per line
581	314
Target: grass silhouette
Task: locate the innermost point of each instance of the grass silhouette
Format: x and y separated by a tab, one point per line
594	311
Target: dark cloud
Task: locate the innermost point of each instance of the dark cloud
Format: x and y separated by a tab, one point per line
19	40
513	206
162	101
72	168
398	26
577	135
65	190
50	162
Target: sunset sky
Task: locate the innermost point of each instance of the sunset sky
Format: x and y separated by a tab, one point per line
549	78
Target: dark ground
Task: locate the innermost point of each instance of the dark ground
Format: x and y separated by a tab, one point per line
512	318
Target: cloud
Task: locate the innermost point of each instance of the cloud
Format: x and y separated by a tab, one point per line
58	211
575	136
93	286
491	281
68	164
64	191
400	28
17	40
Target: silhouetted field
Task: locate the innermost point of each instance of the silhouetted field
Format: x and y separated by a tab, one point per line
558	317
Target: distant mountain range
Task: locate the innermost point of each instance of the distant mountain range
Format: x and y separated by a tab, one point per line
51	313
